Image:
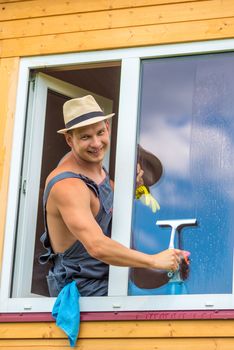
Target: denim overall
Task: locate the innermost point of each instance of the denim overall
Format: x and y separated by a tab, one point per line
75	264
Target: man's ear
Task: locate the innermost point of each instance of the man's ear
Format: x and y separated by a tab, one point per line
68	138
107	125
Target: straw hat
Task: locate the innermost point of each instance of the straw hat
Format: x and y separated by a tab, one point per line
82	111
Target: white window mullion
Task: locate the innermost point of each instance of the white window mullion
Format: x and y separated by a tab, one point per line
125	168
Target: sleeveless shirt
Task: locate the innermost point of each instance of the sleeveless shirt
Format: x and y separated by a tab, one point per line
76	264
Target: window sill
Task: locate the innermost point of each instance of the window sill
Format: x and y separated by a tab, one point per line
123	316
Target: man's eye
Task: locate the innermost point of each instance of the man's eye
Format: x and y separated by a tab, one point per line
101	132
85	137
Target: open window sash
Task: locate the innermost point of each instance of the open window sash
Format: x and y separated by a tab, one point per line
40	85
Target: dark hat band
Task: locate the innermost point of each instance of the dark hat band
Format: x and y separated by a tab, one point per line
83	117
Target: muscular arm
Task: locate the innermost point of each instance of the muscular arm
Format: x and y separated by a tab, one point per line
72	198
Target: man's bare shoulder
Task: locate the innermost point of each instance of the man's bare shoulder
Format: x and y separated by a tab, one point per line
67	182
66	164
70	190
57	171
68	187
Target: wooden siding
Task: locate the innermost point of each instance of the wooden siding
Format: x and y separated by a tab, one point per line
119	18
42	27
39	27
119	344
132	335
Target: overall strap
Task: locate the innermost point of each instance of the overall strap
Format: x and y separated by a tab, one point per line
67	175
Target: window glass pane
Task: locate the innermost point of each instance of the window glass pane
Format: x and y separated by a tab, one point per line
186	121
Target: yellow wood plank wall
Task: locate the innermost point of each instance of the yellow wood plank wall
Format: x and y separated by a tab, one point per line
131	335
44	27
39	27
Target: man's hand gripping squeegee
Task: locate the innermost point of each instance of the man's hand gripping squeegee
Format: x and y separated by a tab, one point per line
177	225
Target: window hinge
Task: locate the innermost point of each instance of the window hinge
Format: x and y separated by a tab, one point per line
32	81
33	84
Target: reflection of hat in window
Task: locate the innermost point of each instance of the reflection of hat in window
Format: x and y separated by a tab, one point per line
151	166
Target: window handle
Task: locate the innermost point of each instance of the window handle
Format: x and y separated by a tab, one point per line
24	185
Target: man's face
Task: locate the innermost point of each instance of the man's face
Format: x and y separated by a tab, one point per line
90	142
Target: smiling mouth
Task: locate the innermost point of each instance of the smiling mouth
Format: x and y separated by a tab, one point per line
95	152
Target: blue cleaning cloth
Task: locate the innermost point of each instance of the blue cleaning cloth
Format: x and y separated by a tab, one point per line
66	311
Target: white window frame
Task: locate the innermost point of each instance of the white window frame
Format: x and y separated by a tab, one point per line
117	299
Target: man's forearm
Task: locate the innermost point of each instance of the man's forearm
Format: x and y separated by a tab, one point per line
114	253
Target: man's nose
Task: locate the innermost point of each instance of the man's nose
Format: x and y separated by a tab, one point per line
95	142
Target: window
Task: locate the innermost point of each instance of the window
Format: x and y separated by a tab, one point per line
178	105
186	120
